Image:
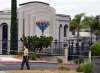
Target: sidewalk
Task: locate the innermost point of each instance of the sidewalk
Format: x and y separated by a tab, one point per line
17	60
12	60
2	72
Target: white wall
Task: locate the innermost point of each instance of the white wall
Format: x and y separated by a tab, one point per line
33	12
28	14
36	12
5	17
63	20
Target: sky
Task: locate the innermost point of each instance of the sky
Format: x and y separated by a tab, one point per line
68	7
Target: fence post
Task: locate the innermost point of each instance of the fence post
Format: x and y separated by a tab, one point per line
89	56
66	55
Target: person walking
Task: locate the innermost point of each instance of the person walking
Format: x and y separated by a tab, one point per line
25	58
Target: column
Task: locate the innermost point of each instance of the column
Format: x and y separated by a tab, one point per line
66	55
89	56
0	39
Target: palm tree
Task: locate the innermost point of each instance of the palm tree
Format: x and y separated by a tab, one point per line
88	22
93	23
75	25
14	28
97	26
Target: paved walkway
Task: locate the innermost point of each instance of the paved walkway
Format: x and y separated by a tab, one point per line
2	72
12	60
8	59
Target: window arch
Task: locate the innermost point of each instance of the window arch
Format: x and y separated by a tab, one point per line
65	30
4	38
60	26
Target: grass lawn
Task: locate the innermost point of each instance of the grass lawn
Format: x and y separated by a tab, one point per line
41	71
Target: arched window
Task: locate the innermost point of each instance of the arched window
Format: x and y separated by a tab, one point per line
65	30
60	26
4	38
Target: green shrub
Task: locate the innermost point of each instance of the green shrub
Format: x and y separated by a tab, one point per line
79	68
78	61
95	48
33	56
86	68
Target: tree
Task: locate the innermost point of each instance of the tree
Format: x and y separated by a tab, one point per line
34	42
97	26
14	28
45	42
88	22
75	25
95	48
30	42
93	23
97	22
